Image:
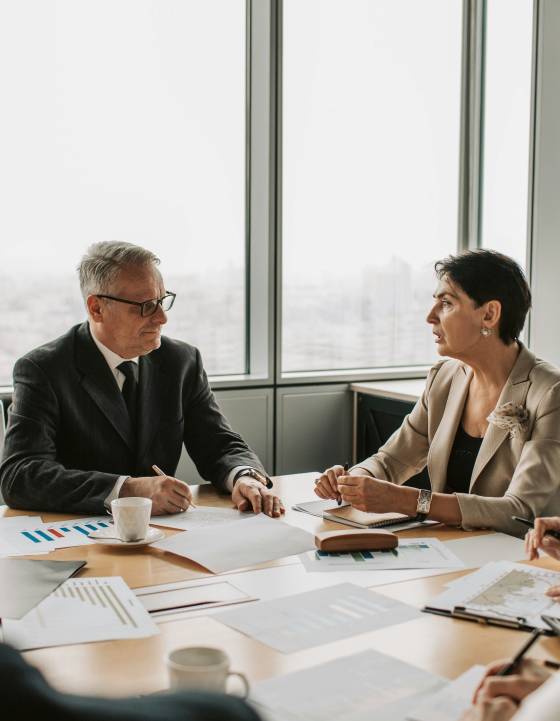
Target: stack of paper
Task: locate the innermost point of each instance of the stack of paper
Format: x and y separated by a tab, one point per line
450	702
82	610
310	619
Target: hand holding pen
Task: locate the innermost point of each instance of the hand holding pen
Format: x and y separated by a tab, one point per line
157	470
326	486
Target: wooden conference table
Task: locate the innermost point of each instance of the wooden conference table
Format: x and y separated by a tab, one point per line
115	668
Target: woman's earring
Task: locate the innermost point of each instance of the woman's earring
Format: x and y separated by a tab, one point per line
485	331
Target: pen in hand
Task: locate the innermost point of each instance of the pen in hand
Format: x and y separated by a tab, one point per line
157	470
516	660
338	496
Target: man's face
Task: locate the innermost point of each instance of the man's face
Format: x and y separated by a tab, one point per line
120	326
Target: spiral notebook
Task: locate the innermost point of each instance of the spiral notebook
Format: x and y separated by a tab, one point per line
360	519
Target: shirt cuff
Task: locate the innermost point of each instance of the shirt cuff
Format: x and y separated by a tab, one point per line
115	492
231	474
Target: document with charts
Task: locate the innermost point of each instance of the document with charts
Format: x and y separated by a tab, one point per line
309	619
81	610
502	592
31	537
410	553
366	686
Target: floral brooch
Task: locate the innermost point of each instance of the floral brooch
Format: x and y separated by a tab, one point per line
512	417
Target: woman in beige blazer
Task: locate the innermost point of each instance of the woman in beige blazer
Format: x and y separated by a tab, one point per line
488	423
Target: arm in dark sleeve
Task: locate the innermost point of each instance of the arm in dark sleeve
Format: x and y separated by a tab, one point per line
30	475
24	691
211	443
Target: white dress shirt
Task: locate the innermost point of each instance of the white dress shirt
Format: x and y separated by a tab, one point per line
114	360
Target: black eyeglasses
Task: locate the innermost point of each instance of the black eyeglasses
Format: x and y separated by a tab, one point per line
148	307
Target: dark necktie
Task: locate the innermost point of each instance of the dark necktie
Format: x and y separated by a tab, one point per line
130	369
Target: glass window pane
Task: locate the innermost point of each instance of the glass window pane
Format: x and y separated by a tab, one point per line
371	110
123	119
507	108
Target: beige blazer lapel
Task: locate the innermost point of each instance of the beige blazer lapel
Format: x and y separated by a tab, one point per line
440	447
515	390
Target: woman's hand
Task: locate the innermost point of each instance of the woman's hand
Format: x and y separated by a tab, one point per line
497	698
494	709
326	486
536	538
375	496
530	675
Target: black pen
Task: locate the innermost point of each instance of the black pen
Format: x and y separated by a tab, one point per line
531	524
338	496
512	665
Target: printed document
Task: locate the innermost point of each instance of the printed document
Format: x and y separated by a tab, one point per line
236	545
410	553
81	610
313	618
199	517
502	590
360	687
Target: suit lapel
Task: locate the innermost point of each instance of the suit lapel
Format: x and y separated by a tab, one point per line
440	447
151	393
100	384
515	390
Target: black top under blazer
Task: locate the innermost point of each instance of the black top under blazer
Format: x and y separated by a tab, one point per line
69	435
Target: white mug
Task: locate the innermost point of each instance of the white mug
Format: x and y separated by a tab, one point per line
131	517
201	668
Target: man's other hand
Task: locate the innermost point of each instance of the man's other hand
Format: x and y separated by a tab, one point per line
168	494
250	494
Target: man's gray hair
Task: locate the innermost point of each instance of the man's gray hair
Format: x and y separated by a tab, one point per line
103	262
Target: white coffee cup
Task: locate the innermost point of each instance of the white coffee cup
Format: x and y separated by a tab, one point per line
201	668
131	517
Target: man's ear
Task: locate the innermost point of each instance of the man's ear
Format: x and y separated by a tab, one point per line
492	314
95	308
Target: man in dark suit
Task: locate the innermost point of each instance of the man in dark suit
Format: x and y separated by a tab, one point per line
94	410
24	693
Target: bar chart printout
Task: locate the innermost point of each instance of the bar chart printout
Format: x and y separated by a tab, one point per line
82	610
316	617
46	537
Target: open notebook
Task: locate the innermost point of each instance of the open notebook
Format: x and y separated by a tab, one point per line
360	519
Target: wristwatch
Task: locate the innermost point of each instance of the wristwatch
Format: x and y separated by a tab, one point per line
423	505
257	475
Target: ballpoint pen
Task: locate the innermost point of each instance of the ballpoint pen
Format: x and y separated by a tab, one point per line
157	470
338	496
515	661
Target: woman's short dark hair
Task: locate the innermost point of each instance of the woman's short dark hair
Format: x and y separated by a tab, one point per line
488	275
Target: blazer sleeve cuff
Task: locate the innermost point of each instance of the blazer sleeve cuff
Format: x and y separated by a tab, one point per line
115	492
494	513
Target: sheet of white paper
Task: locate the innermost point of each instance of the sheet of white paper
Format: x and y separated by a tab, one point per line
314	618
410	553
236	545
199	517
360	687
503	590
33	538
475	551
450	702
82	610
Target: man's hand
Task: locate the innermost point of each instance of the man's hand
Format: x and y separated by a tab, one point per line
248	493
168	494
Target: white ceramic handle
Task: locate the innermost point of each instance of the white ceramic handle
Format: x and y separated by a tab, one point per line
244	681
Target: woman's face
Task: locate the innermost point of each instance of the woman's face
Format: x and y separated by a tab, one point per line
456	321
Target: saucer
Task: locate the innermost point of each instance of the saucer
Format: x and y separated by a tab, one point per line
106	538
